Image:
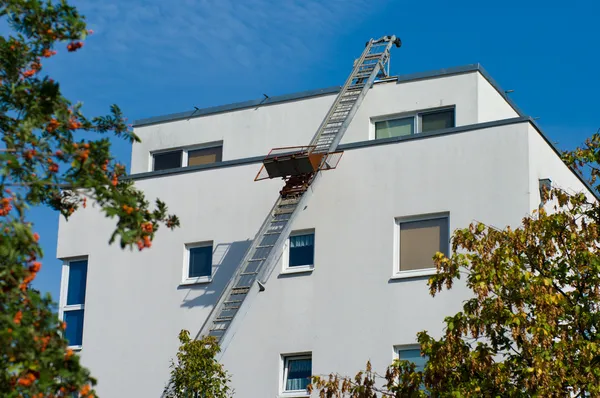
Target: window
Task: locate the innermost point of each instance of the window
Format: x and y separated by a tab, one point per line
412	355
73	300
297	371
205	156
198	263
421	122
299	252
209	153
417	240
433	121
167	160
395	127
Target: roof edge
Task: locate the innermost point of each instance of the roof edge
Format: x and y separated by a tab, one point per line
457	70
236	106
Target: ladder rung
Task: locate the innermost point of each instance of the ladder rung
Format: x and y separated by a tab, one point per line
284	211
240	290
256	259
289	202
272	233
232	302
248	273
264	246
224	319
280	220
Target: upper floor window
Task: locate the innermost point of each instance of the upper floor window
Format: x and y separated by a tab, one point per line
205	156
167	160
187	157
198	263
421	122
73	300
438	120
417	241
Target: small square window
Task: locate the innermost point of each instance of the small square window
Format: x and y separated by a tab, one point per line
419	240
167	160
198	263
297	372
439	120
205	156
394	127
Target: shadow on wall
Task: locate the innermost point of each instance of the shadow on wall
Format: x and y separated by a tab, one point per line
226	257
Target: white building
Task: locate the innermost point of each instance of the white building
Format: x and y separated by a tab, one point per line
425	154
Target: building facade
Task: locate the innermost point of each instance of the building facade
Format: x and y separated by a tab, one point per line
424	155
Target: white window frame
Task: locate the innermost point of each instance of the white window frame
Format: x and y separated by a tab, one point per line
396	273
417	115
404	347
285	358
64	287
285	258
184	152
185	280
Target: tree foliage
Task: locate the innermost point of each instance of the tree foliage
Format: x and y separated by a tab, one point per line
196	373
532	324
51	155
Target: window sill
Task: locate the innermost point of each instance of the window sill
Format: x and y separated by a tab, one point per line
196	281
304	269
414	274
75	347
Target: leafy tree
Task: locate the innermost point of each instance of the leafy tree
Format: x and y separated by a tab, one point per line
54	156
197	374
532	326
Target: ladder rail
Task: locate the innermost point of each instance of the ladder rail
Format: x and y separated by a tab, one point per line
381	60
339	96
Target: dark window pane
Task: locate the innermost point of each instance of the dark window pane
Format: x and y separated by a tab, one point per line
77	280
200	261
302	250
167	160
437	120
205	156
394	128
74	332
298	374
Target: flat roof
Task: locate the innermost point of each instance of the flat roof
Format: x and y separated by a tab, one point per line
325	91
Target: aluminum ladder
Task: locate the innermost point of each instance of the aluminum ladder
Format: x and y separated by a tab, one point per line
266	248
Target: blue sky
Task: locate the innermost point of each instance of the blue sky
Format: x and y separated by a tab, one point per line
153	57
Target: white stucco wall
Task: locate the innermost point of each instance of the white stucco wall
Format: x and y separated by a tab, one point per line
253	132
490	104
545	163
345	312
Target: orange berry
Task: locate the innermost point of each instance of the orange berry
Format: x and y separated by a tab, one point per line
18	317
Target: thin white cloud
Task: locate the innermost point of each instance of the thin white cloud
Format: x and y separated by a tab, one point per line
220	35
